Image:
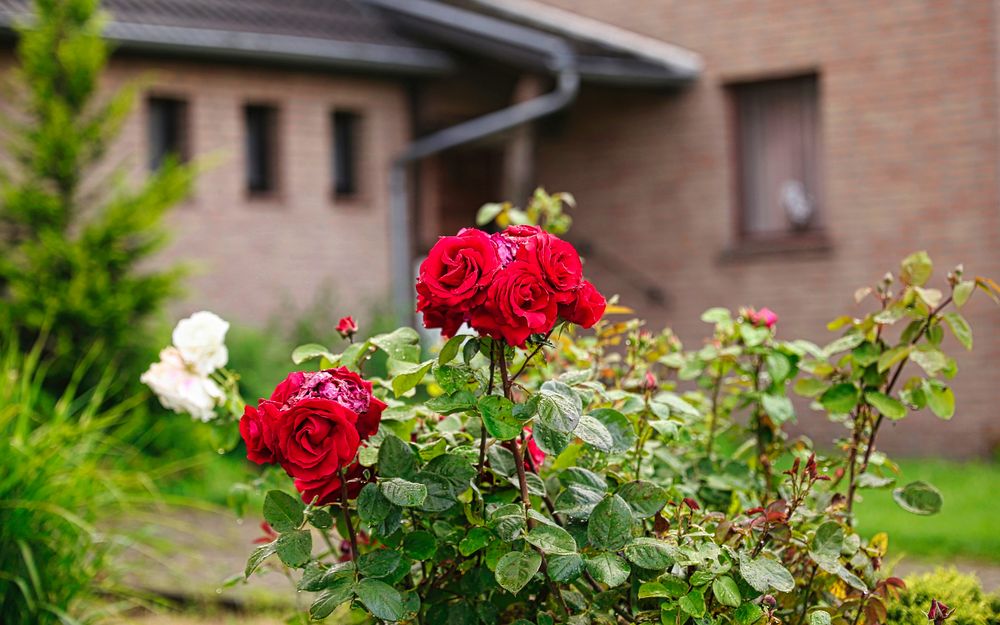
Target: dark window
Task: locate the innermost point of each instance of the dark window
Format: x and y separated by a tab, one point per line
345	152
167	130
261	147
777	126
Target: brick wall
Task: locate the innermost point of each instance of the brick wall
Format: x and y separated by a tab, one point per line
908	112
254	258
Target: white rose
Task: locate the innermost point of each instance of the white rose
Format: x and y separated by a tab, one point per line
201	341
180	389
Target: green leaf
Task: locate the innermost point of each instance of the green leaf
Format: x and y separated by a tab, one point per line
295	547
622	432
889	358
650	553
840	399
819	617
516	568
593	432
403	493
461	401
408	375
476	539
865	354
552	442
310	351
401	344
779	366
778	407
559	408
962	291
916	269
378	563
564	568
451	349
763	573
420	545
644	498
499	417
453	469
809	387
693	603
748	613
396	458
610	524
608	568
675	404
551	539
328	601
283	512
320	518
828	540
940	398
382	600
501	460
918	498
654	590
258	556
488	212
960	328
931	359
890	407
373	507
844	343
726	591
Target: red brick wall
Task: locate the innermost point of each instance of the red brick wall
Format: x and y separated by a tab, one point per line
253	258
909	153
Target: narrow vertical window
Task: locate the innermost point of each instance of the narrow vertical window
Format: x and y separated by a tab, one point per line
261	148
777	156
345	153
167	130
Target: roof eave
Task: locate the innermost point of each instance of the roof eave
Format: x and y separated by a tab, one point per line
269	48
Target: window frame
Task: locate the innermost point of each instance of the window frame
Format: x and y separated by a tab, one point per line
356	124
811	237
272	151
183	128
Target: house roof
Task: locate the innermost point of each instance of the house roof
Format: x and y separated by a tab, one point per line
372	35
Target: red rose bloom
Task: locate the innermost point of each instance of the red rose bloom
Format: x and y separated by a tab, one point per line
347	327
586	308
257	429
513	239
457	270
326	490
519	303
340	385
558	259
316	438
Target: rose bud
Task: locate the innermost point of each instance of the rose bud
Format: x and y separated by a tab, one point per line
347	327
763	317
769	601
691	503
938	612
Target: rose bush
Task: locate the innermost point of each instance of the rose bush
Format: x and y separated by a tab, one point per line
528	473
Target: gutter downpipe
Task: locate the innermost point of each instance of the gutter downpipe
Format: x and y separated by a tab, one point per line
559	58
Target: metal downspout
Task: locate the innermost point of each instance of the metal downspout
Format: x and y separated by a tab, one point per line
559	58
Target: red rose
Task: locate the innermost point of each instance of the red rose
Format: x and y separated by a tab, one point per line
347	327
340	385
326	490
519	303
513	239
558	259
257	429
316	438
586	308
457	270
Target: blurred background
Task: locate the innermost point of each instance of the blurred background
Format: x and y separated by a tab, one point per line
769	153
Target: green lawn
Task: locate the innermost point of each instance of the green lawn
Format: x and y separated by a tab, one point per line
967	525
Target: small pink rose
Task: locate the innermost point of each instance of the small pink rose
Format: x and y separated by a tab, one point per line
347	327
763	317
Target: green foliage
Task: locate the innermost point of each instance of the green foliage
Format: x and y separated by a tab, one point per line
958	591
73	245
60	473
670	490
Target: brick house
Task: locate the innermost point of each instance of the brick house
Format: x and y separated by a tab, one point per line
733	152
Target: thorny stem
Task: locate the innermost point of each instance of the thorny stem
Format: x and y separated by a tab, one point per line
715	412
482	422
806	593
347	514
878	422
513	446
527	360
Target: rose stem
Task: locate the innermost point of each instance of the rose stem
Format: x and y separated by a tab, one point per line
347	515
482	422
512	444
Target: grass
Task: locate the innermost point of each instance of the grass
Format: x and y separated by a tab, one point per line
967	525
